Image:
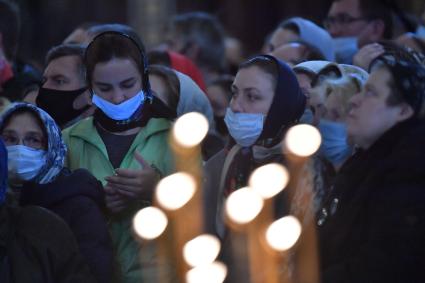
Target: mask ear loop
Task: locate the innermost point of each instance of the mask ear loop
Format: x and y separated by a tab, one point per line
145	82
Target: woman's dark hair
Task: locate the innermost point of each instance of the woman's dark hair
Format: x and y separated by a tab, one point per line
25	110
159	57
172	83
265	64
109	45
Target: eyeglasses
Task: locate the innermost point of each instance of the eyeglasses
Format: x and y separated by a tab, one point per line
31	140
341	20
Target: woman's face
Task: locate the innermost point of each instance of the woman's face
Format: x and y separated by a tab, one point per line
23	129
253	91
218	99
117	80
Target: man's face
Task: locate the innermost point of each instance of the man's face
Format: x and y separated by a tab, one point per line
63	74
371	116
280	37
291	53
346	19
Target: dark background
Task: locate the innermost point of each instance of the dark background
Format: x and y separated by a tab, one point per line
47	22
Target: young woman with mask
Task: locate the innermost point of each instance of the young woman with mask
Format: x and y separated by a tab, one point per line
266	102
37	176
125	143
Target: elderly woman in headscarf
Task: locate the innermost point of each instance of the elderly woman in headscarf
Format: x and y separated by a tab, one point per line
37	176
37	242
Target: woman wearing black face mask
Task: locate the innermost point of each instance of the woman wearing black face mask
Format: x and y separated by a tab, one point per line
63	93
123	144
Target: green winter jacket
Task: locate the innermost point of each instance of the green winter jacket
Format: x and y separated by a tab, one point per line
87	150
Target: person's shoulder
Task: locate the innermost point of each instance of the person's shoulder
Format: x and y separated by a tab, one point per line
82	174
40	224
79	128
81	184
216	161
156	125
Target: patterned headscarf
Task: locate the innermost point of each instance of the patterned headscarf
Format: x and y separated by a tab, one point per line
3	172
409	79
56	148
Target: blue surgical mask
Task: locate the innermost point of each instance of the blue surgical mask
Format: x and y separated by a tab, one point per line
334	142
420	31
120	111
245	128
307	117
24	163
345	49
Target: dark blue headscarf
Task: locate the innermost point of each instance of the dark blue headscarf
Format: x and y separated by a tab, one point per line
3	172
288	103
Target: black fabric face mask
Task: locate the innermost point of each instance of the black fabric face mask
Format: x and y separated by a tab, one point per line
59	104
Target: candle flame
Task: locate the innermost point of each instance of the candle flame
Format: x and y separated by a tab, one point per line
243	205
202	250
174	191
190	129
214	272
269	180
283	233
303	140
149	223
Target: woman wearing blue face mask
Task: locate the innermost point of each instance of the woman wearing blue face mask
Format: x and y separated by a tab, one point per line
37	176
124	144
266	101
36	246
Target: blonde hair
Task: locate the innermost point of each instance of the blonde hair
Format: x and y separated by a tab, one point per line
343	88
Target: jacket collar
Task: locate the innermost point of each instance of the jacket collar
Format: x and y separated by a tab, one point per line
86	131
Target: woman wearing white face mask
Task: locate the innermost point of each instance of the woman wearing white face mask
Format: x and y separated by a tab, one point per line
125	143
36	154
266	101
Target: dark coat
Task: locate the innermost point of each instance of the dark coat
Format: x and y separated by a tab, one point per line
375	225
77	198
36	246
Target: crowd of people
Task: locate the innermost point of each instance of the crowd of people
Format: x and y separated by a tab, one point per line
85	141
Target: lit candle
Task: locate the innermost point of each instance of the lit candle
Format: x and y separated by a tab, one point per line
214	272
187	134
244	213
174	194
300	143
268	181
282	234
202	250
150	224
